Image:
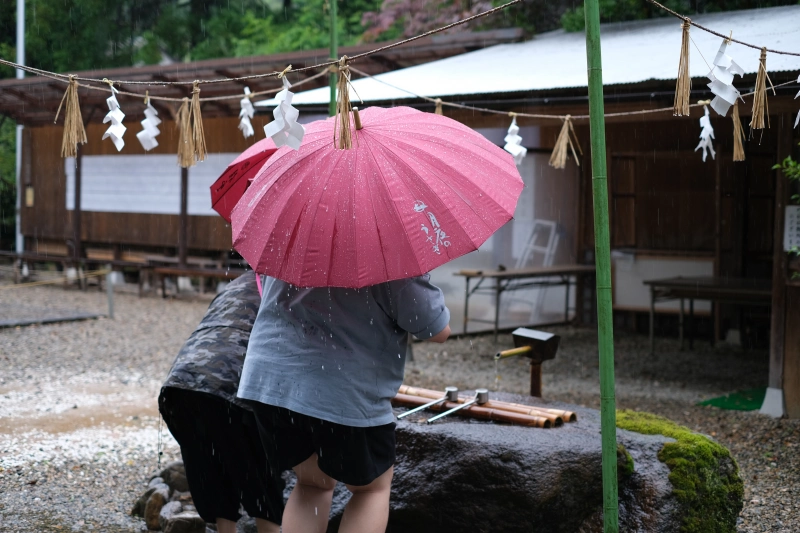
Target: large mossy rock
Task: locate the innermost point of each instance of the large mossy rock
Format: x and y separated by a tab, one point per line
705	478
465	475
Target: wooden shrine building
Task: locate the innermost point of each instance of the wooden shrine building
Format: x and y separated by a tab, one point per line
134	204
718	226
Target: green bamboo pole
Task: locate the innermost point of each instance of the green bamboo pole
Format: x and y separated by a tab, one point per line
605	326
334	55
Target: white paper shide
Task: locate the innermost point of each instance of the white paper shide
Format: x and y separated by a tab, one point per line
284	130
147	137
246	113
706	135
721	76
514	143
115	115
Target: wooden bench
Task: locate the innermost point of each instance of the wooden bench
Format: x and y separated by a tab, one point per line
219	273
516	279
740	291
33	258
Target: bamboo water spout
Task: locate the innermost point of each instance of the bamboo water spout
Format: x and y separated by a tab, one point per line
450	395
475	411
555	416
480	398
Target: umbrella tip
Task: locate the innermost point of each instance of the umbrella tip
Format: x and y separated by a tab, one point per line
357	118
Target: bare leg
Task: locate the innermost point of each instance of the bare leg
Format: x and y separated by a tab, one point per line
225	526
368	509
265	526
310	503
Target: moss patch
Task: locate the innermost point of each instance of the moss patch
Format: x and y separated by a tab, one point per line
704	476
624	462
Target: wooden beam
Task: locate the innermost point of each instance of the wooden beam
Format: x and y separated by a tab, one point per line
24	97
183	230
185	90
779	260
384	61
76	208
225	73
717	237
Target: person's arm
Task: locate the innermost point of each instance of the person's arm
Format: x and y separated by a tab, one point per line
418	307
441	336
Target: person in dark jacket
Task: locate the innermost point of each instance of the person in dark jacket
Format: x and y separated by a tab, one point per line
217	432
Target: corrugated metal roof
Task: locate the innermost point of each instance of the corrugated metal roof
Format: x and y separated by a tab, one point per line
633	52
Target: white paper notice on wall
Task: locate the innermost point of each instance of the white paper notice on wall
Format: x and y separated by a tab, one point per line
791	228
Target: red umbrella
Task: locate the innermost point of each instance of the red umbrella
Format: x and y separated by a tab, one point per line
415	191
230	186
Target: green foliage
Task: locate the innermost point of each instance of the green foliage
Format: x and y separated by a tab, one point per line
705	477
622	10
790	169
303	27
8	190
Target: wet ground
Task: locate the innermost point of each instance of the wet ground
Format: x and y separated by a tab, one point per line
79	432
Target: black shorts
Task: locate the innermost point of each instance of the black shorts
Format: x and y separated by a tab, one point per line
223	456
352	455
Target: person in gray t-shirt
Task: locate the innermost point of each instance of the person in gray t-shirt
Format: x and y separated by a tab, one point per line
321	368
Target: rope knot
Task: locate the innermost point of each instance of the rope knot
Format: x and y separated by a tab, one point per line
284	72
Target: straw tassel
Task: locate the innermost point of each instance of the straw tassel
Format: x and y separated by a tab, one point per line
185	138
192	138
198	135
738	135
760	96
74	131
564	144
683	86
342	127
438	110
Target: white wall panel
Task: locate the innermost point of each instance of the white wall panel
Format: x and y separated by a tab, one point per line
143	183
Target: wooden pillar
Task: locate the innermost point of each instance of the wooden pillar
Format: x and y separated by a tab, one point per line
774	402
183	230
76	211
717	242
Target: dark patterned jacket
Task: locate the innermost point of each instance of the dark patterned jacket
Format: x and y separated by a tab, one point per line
211	359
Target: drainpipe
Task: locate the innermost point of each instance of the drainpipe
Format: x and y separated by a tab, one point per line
20	241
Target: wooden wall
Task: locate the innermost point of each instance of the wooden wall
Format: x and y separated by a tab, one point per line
791	355
662	196
49	220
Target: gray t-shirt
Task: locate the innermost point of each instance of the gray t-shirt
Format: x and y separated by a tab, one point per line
338	354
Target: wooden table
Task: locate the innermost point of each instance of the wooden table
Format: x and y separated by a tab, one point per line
741	291
219	273
516	279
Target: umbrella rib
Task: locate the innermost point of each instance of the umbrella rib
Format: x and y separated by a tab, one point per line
394	207
499	169
471	207
324	187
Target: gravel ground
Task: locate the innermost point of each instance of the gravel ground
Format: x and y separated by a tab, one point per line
668	383
79	430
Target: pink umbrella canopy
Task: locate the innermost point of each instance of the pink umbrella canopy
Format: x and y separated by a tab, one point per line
230	186
415	191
